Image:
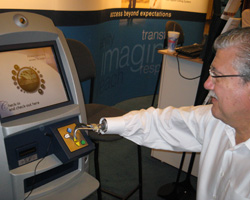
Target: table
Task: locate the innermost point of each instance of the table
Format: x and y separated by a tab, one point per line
177	91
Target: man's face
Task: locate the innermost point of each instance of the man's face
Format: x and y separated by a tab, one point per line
231	102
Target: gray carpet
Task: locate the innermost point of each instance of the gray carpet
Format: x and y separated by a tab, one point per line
118	165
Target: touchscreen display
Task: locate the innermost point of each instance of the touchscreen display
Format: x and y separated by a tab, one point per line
29	80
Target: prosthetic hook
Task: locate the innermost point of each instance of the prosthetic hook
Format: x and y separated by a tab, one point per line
91	127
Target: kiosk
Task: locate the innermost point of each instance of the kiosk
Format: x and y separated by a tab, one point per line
41	103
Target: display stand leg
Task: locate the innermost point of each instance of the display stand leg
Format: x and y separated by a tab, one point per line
179	190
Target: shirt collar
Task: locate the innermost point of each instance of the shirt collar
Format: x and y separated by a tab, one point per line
247	143
231	135
230	131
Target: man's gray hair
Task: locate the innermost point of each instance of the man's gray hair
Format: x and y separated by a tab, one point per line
239	38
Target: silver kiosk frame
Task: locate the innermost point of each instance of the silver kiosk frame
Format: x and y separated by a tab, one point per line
76	183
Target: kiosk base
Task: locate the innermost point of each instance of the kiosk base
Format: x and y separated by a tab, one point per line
77	189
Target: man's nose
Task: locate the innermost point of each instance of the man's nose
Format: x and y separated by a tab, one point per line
209	84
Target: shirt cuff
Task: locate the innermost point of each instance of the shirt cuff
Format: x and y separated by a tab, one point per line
115	125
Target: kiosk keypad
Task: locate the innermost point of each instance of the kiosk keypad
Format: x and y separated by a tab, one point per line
73	144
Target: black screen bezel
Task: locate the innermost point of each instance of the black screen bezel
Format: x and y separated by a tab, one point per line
61	71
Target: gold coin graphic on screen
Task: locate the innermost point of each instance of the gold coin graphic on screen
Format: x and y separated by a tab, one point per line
28	79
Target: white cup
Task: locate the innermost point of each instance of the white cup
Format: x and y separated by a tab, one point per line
172	40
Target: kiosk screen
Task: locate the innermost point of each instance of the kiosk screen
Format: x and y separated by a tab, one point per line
30	79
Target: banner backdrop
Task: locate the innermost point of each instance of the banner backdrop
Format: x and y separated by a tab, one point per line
123	36
199	6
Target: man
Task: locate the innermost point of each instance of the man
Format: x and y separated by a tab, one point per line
220	131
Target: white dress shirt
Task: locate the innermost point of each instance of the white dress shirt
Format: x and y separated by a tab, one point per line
224	167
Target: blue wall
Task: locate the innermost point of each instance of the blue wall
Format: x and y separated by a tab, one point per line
125	54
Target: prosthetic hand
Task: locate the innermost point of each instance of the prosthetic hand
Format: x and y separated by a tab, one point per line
99	128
